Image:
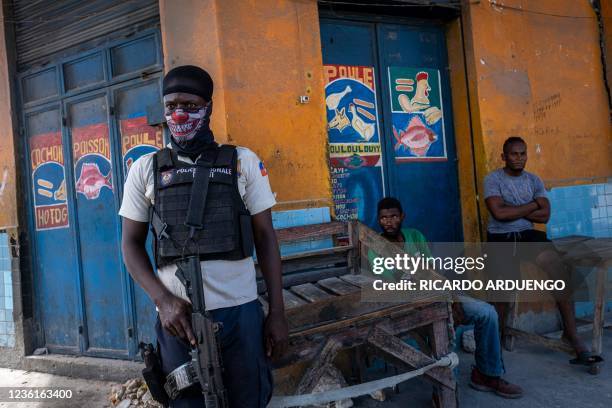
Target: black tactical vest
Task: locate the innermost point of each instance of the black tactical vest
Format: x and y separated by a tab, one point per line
216	225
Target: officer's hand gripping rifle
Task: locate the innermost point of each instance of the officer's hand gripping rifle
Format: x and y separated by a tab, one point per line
205	355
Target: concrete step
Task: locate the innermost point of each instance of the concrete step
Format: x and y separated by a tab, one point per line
90	368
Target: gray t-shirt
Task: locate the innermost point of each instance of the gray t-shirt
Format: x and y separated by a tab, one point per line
514	191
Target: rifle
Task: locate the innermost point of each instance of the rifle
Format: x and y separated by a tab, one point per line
205	365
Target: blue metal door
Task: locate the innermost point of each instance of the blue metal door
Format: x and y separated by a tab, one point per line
350	70
137	117
54	256
413	112
96	224
87	119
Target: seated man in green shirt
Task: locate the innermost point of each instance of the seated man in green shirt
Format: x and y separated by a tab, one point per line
486	375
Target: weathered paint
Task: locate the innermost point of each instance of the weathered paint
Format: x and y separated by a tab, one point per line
463	135
190	35
8	194
606	14
540	76
263	55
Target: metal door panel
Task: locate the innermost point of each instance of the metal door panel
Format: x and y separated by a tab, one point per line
426	186
357	174
97	107
94	185
56	277
132	104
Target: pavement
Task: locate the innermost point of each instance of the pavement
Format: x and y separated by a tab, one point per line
546	377
85	393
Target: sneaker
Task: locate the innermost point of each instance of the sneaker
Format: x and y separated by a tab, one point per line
497	385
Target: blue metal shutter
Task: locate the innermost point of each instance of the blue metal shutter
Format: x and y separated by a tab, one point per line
46	30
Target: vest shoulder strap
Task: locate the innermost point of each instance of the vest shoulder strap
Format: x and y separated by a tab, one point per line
165	158
225	157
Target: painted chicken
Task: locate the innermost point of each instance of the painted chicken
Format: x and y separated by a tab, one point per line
91	181
416	137
365	130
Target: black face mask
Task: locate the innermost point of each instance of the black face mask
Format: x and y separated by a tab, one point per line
192	146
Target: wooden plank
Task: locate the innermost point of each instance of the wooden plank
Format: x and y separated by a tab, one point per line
581	327
598	313
322	257
314	372
318	252
341	311
353	256
291	301
305	345
558	345
310	232
444	396
511	321
310	292
357	280
337	286
394	346
299	278
309	263
369	239
589	252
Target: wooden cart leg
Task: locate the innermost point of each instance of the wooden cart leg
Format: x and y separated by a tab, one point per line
510	321
313	373
444	397
598	315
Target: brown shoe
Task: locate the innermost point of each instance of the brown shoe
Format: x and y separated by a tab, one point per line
497	385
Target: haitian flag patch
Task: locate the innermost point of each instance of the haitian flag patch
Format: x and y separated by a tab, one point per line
262	169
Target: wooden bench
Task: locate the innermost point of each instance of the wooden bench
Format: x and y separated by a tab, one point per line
314	265
326	314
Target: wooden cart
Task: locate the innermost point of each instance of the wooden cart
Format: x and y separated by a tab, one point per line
327	316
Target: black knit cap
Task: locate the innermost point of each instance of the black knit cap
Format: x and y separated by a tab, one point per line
189	79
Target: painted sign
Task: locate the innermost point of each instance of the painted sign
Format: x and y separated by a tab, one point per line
137	139
92	158
354	141
48	181
417	114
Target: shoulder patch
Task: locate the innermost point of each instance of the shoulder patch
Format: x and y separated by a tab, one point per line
262	169
166	177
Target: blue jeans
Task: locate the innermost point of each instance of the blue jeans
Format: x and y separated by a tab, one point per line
488	353
247	375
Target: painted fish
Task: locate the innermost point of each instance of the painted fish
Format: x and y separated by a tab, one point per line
91	181
416	137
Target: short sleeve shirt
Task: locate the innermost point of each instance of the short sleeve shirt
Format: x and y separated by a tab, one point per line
514	191
226	283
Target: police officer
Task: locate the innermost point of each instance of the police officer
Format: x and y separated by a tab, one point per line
236	215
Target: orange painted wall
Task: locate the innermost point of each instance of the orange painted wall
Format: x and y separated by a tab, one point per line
606	14
530	74
262	55
8	184
463	132
540	76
